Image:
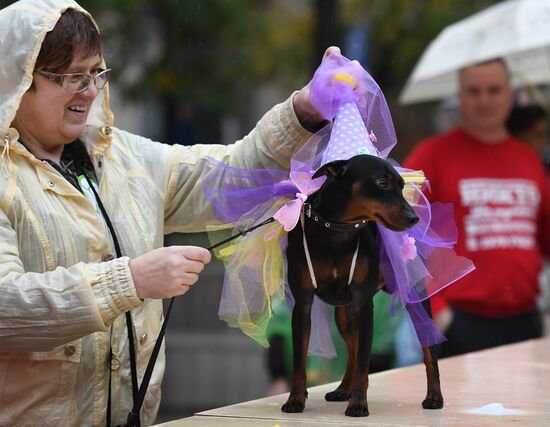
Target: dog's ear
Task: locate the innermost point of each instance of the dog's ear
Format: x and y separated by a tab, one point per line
336	168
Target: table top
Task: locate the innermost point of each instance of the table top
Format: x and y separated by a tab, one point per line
508	385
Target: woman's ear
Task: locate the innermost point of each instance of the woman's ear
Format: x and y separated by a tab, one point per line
336	168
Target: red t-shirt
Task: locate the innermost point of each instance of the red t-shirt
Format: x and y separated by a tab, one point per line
501	199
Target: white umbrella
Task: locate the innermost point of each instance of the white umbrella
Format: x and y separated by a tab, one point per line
516	30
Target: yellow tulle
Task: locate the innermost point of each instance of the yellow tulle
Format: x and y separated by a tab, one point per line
273	273
346	78
255	277
414	182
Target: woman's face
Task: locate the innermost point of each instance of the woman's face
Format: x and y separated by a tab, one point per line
49	116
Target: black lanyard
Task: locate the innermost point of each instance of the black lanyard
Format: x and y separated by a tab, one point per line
131	340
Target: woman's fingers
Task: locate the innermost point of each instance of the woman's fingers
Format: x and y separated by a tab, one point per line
167	272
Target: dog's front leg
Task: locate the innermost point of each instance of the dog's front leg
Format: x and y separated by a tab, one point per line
301	327
344	321
363	309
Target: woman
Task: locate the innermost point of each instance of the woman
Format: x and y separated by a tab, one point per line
63	290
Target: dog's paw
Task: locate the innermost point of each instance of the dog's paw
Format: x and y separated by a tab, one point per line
337	396
435	402
357	409
293	406
295	403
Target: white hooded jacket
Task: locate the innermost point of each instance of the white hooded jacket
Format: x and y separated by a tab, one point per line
61	294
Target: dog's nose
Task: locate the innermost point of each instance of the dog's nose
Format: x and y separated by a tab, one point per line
412	218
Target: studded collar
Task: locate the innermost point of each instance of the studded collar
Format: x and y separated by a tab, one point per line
331	225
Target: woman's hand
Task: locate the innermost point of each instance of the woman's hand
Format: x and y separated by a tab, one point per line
308	116
168	272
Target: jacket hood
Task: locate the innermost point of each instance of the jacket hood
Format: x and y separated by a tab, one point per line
23	27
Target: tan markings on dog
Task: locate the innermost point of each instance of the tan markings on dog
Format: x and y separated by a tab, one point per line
306	277
355	189
388	214
322	273
325	271
360	208
361	269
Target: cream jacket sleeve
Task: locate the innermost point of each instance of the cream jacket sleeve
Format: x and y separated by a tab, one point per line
40	311
269	145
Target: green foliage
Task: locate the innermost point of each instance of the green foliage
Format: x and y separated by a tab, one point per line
206	54
400	30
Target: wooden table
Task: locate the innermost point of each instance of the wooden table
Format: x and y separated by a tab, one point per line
504	386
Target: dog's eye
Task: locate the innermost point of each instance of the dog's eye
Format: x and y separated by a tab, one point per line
383	183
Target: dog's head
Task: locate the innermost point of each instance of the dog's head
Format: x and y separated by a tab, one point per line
367	187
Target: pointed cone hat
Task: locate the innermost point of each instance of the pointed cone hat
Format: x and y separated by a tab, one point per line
343	92
349	136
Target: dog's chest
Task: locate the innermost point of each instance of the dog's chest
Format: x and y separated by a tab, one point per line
335	273
334	280
345	269
332	263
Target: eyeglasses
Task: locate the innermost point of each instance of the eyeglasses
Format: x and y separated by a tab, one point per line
78	82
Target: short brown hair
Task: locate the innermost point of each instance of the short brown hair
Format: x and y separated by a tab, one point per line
74	34
489	61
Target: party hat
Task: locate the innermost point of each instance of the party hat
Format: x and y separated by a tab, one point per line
343	92
349	136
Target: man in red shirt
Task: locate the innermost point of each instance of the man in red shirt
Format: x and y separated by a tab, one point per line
501	198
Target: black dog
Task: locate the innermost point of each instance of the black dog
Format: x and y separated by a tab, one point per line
340	221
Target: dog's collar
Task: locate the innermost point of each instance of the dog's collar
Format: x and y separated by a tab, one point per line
331	225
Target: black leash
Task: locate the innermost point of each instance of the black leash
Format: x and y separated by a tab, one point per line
134	416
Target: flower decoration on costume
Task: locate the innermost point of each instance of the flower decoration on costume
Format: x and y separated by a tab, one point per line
289	214
372	137
408	250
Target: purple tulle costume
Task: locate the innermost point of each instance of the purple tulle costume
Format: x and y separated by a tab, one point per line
415	264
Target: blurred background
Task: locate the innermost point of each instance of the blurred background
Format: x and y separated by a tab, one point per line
204	71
